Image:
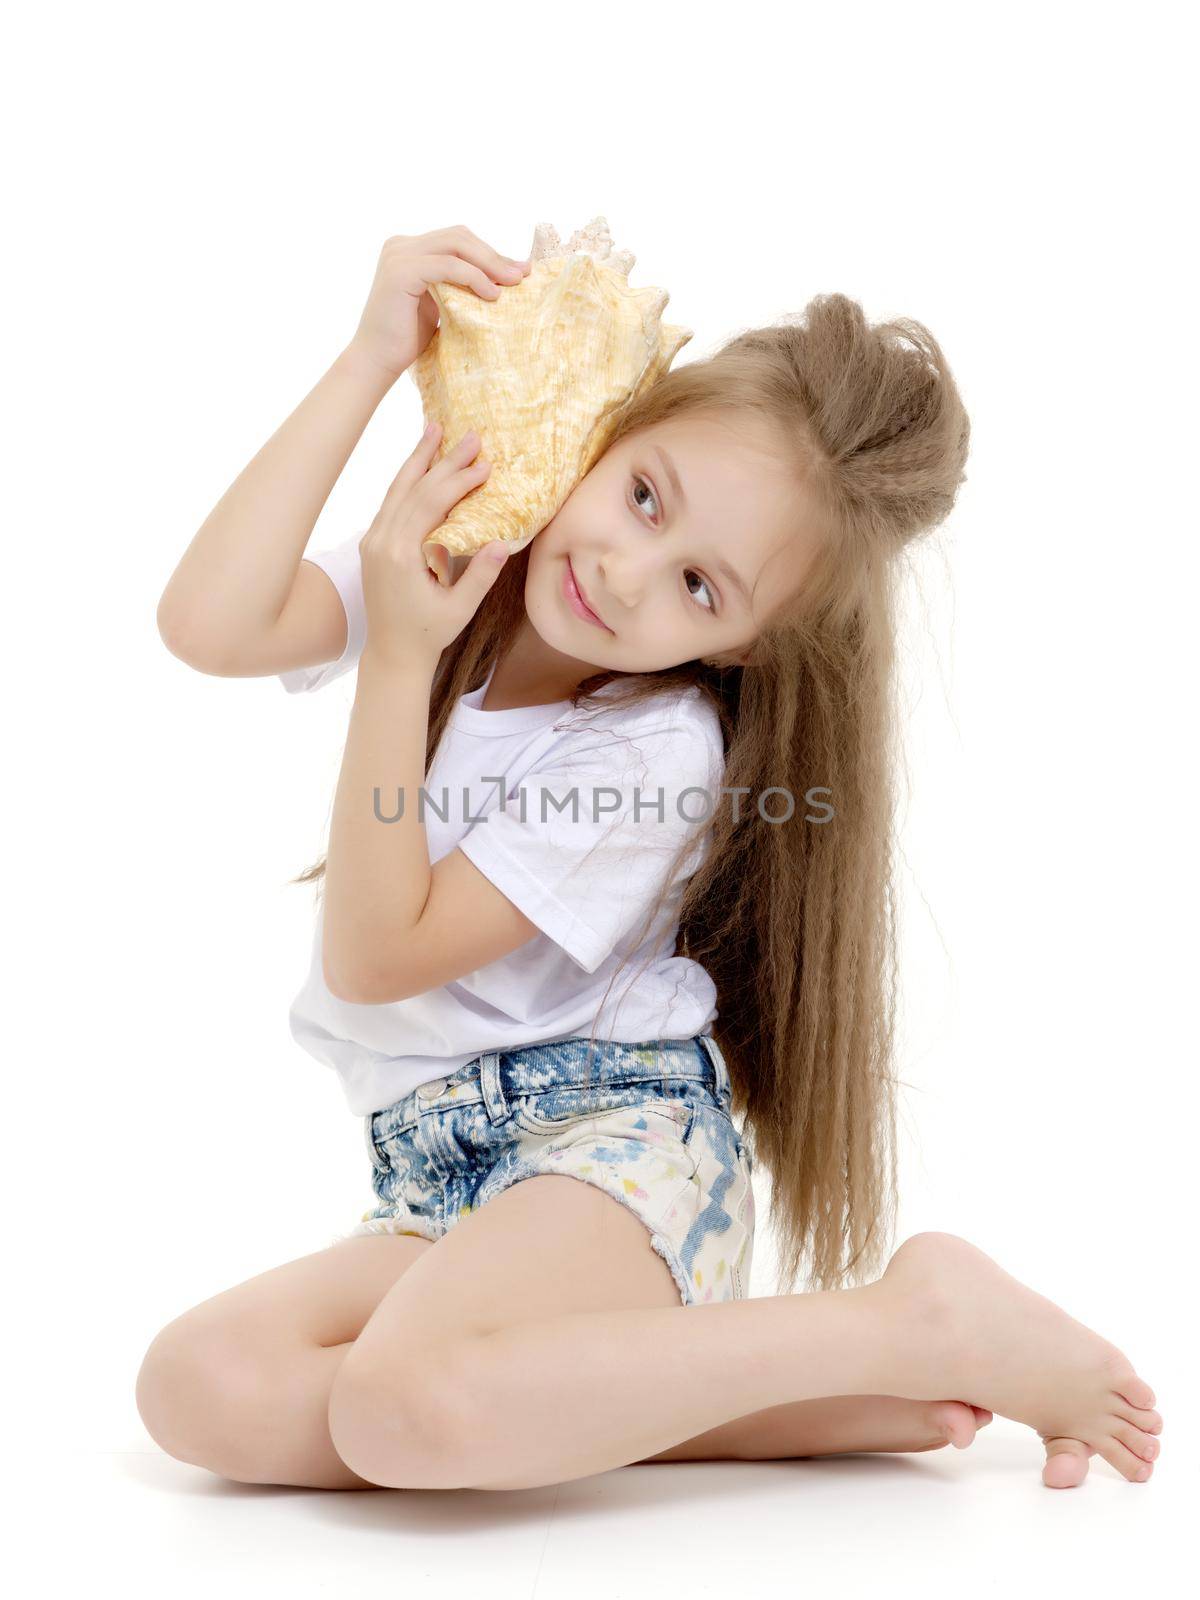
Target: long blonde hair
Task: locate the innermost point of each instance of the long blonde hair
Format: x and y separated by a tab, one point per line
795	920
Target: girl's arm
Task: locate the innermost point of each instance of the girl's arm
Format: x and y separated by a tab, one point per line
378	874
240	603
226	596
394	925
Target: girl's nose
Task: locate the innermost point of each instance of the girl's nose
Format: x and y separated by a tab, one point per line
625	578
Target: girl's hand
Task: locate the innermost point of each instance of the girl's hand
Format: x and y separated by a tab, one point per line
410	616
400	316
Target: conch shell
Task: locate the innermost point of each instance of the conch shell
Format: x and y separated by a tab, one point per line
540	373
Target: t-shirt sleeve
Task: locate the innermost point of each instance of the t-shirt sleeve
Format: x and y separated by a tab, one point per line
584	845
343	566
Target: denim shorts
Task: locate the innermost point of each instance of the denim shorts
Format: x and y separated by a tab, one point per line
647	1123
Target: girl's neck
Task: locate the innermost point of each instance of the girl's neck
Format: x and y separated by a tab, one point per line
526	675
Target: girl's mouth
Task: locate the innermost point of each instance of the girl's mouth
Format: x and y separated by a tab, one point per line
573	597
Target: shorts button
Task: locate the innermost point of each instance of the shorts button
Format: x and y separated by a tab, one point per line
430	1091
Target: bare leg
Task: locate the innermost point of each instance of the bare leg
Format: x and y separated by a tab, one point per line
248	1421
304	1452
554	1398
301	1451
241	1384
572	1395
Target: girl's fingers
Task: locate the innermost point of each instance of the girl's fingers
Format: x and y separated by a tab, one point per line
453	269
421	455
424	491
440	483
460	479
459	454
459	471
416	467
500	266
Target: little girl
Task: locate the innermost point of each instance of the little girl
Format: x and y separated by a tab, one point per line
633	780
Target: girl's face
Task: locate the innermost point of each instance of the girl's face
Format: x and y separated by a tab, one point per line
682	542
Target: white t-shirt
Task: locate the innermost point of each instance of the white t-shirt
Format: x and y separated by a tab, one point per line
583	864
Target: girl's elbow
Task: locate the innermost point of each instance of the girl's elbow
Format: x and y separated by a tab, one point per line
170	631
342	985
360	987
182	642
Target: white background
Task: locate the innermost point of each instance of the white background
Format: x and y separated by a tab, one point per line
196	199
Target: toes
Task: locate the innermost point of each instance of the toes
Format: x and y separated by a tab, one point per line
1066	1463
1141	1444
1147	1421
952	1422
1131	1388
982	1416
1128	1464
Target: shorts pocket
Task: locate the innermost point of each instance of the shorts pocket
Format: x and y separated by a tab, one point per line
552	1110
557	1109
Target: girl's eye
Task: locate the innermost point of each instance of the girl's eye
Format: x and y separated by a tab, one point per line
640	483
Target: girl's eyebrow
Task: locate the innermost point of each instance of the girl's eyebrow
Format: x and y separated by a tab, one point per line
669	467
735	579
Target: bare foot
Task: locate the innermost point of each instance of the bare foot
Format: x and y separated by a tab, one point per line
875	1422
833	1425
932	1424
980	1332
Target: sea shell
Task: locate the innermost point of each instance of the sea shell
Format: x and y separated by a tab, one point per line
540	373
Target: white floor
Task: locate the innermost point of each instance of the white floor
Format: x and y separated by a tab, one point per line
942	1523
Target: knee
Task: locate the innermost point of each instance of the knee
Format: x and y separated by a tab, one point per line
198	1396
404	1425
